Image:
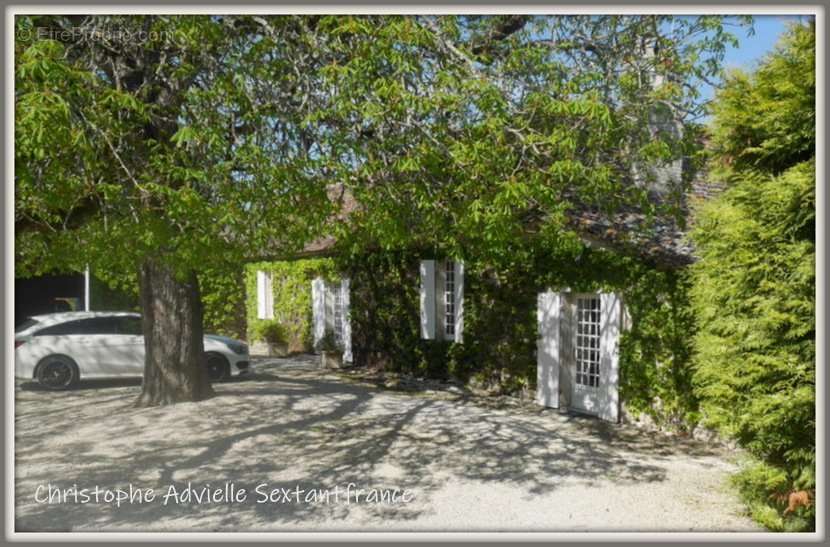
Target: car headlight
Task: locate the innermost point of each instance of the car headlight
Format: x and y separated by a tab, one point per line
238	348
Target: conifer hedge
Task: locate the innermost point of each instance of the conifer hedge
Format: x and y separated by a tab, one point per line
754	286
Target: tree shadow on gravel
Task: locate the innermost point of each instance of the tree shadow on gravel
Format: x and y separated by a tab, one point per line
296	427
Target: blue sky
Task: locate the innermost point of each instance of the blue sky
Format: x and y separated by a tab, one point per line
751	49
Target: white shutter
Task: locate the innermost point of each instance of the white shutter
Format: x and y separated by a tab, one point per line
347	321
459	301
328	306
609	342
260	295
547	350
269	296
318	309
627	322
428	299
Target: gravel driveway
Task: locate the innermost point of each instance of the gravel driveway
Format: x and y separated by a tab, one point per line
452	463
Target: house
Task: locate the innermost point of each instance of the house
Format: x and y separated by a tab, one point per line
575	353
555	328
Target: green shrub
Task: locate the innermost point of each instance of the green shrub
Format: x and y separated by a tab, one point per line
754	295
270	331
764	489
754	286
328	343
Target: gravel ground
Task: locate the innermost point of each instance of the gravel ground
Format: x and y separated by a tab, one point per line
458	463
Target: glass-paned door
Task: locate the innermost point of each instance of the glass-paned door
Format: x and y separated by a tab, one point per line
586	346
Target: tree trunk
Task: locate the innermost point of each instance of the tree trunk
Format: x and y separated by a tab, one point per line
173	341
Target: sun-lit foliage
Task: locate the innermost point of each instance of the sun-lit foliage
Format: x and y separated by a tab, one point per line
754	286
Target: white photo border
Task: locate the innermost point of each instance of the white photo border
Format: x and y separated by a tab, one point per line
732	8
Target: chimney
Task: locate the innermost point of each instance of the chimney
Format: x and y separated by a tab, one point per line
664	178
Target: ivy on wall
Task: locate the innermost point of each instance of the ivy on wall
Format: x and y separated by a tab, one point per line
291	286
655	354
499	350
500	332
500	329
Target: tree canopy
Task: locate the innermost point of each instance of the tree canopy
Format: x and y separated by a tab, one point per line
471	134
178	136
185	133
166	145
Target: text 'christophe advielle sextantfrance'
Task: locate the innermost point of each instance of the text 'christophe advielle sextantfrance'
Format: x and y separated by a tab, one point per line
226	493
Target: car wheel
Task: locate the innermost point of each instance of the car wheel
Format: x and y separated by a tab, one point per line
57	372
217	366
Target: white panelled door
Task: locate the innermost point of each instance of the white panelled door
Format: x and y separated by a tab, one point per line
611	306
331	310
345	319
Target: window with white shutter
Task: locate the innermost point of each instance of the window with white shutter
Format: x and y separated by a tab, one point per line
265	295
318	309
330	312
346	320
449	300
427	271
442	300
336	291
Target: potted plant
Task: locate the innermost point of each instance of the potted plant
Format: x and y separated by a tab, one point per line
272	333
331	353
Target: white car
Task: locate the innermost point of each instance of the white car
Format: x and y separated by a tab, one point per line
58	349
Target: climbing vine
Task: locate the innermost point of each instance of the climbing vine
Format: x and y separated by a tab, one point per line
500	329
291	288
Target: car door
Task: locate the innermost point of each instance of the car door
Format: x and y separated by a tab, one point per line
82	340
102	347
131	340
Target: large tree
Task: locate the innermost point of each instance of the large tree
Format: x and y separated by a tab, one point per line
471	134
163	145
167	144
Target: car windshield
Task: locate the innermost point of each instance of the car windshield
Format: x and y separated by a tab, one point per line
29	322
